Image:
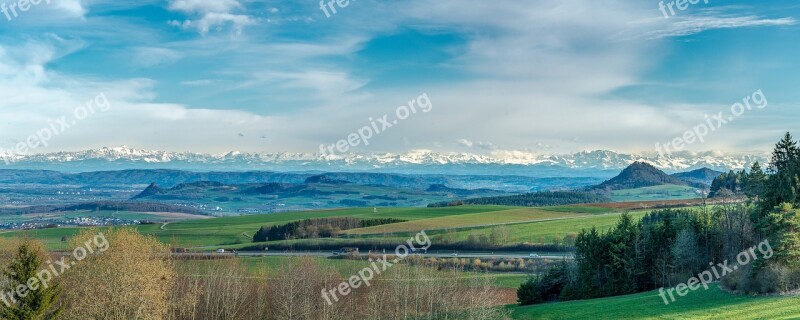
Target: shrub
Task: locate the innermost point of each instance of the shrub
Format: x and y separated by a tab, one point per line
547	287
530	292
132	279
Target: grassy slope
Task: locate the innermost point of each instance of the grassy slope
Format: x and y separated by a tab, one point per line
579	209
466	220
532	232
664	192
701	304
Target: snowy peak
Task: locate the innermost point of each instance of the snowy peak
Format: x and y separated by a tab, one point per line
585	160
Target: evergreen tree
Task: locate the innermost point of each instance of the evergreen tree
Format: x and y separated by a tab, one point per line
777	219
782	226
784	181
37	303
622	255
755	182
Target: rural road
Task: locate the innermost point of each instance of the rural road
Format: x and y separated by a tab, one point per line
325	254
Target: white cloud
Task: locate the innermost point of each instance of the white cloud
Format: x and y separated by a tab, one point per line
466	143
75	8
479	144
210	14
33	96
204	6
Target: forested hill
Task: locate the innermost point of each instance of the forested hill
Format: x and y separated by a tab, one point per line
703	176
639	175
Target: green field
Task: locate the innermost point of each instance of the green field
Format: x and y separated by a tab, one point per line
467	220
711	304
239	230
534	232
664	192
236	232
579	209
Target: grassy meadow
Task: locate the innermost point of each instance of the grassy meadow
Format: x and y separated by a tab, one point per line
663	192
701	304
532	225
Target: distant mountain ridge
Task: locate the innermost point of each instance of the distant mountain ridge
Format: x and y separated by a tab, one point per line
171	178
703	176
418	161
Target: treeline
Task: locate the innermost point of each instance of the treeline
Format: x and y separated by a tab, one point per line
739	183
536	199
316	228
464	264
670	247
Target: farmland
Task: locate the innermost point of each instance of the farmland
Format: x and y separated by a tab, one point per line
238	230
662	192
531	225
466	220
526	225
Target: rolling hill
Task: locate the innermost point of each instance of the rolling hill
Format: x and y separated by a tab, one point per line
639	175
703	176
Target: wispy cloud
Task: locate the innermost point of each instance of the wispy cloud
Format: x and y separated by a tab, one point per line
202	82
690	25
151	56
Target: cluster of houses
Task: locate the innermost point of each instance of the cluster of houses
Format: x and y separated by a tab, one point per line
76	221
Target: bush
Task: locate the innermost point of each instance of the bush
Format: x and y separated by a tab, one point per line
773	279
548	287
530	292
131	280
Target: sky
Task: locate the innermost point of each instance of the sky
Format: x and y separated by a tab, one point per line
501	77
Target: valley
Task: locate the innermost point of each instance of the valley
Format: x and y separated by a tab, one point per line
496	235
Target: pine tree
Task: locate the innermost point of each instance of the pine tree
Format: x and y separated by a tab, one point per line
777	219
38	303
784	182
783	226
755	182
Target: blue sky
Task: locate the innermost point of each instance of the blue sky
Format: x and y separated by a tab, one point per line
505	77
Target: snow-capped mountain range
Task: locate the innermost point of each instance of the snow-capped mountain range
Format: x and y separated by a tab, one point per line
418	161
